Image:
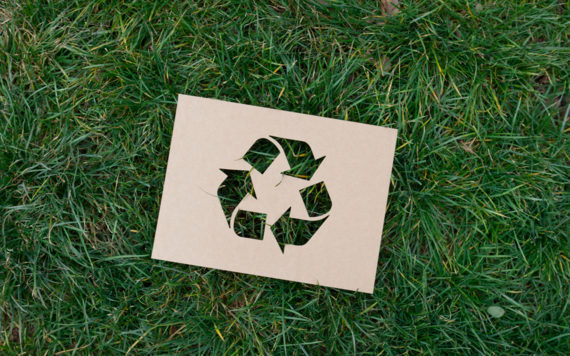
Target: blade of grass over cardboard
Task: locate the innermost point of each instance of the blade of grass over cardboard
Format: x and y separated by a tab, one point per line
341	252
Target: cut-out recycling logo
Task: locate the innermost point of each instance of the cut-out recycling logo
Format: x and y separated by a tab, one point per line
238	186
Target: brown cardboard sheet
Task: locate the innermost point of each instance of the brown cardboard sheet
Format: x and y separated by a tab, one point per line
210	135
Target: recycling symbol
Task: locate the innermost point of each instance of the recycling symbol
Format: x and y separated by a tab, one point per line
238	186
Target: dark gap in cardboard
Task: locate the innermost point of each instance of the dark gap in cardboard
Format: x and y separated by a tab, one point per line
300	158
233	190
261	154
289	231
249	225
317	199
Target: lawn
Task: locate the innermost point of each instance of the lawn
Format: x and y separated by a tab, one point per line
479	206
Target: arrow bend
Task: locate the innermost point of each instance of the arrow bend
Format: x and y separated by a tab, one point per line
249	224
261	154
233	189
317	199
300	157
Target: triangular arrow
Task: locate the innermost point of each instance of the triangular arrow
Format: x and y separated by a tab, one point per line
300	157
289	231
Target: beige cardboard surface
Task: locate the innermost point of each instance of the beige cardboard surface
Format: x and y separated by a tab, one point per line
211	134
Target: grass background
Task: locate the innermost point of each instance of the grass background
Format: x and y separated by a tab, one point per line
479	209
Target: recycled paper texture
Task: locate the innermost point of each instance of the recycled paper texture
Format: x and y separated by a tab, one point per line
214	154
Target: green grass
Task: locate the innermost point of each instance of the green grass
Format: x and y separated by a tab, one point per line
479	208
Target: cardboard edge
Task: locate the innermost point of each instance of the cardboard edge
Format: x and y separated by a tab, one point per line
392	152
292	112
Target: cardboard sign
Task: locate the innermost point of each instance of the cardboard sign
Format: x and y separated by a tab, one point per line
276	162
